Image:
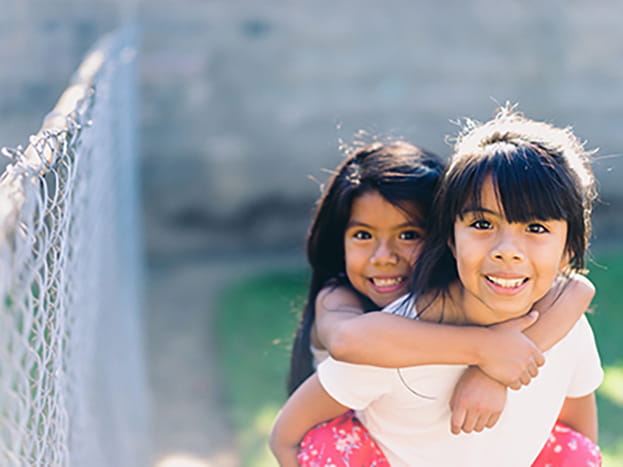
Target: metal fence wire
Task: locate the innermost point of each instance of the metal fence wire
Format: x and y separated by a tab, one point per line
72	375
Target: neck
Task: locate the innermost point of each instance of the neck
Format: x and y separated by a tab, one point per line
459	307
469	309
445	308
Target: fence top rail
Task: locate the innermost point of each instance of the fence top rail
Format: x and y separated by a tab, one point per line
70	114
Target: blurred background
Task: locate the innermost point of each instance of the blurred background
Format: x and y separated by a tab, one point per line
243	107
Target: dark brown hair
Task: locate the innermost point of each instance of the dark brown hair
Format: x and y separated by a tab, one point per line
539	172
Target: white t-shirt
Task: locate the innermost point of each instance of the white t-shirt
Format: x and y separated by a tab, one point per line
407	410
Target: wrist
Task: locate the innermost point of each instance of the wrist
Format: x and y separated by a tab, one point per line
482	346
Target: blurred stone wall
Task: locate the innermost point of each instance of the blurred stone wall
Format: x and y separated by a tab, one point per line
245	103
41	44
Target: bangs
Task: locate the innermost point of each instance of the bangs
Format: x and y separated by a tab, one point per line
529	184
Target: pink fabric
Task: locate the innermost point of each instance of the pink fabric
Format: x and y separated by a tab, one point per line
345	442
568	448
341	442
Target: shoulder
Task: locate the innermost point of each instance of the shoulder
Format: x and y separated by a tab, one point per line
354	386
587	372
343	377
337	297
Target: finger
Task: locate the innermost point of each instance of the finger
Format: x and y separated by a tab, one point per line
457	420
516	384
481	423
470	421
525	378
539	359
533	370
493	419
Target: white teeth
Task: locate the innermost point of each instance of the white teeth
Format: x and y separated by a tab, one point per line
387	282
506	283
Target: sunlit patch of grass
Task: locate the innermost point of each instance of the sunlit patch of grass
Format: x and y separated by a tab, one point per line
612	386
607	323
610	406
613	456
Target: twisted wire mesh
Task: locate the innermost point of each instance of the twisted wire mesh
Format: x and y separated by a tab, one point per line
72	385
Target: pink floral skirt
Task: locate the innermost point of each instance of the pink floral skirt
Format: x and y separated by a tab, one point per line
340	442
345	442
568	448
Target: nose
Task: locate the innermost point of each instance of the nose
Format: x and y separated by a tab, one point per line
508	246
384	254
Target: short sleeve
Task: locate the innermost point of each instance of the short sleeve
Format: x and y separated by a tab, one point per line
588	373
353	385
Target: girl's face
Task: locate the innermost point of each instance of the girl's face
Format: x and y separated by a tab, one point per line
381	244
505	268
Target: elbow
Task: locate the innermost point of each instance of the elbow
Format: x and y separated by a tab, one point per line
272	442
284	453
585	289
342	345
589	287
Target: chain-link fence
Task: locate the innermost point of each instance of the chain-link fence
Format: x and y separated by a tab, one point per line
72	382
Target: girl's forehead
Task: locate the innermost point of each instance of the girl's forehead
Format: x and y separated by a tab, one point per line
373	201
487	195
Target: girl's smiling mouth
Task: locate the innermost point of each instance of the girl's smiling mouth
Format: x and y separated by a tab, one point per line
387	284
506	285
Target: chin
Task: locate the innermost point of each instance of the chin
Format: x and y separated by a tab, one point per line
504	315
384	301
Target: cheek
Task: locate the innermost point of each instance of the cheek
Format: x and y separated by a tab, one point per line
411	252
456	247
353	257
349	259
457	238
466	256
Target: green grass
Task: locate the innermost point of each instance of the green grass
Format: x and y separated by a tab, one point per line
607	320
254	327
257	318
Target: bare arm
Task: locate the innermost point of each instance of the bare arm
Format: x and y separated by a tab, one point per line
308	406
391	341
560	309
581	415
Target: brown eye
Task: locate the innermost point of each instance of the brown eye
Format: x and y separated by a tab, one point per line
362	235
410	235
481	224
537	228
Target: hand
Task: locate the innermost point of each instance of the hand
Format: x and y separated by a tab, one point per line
477	402
509	356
